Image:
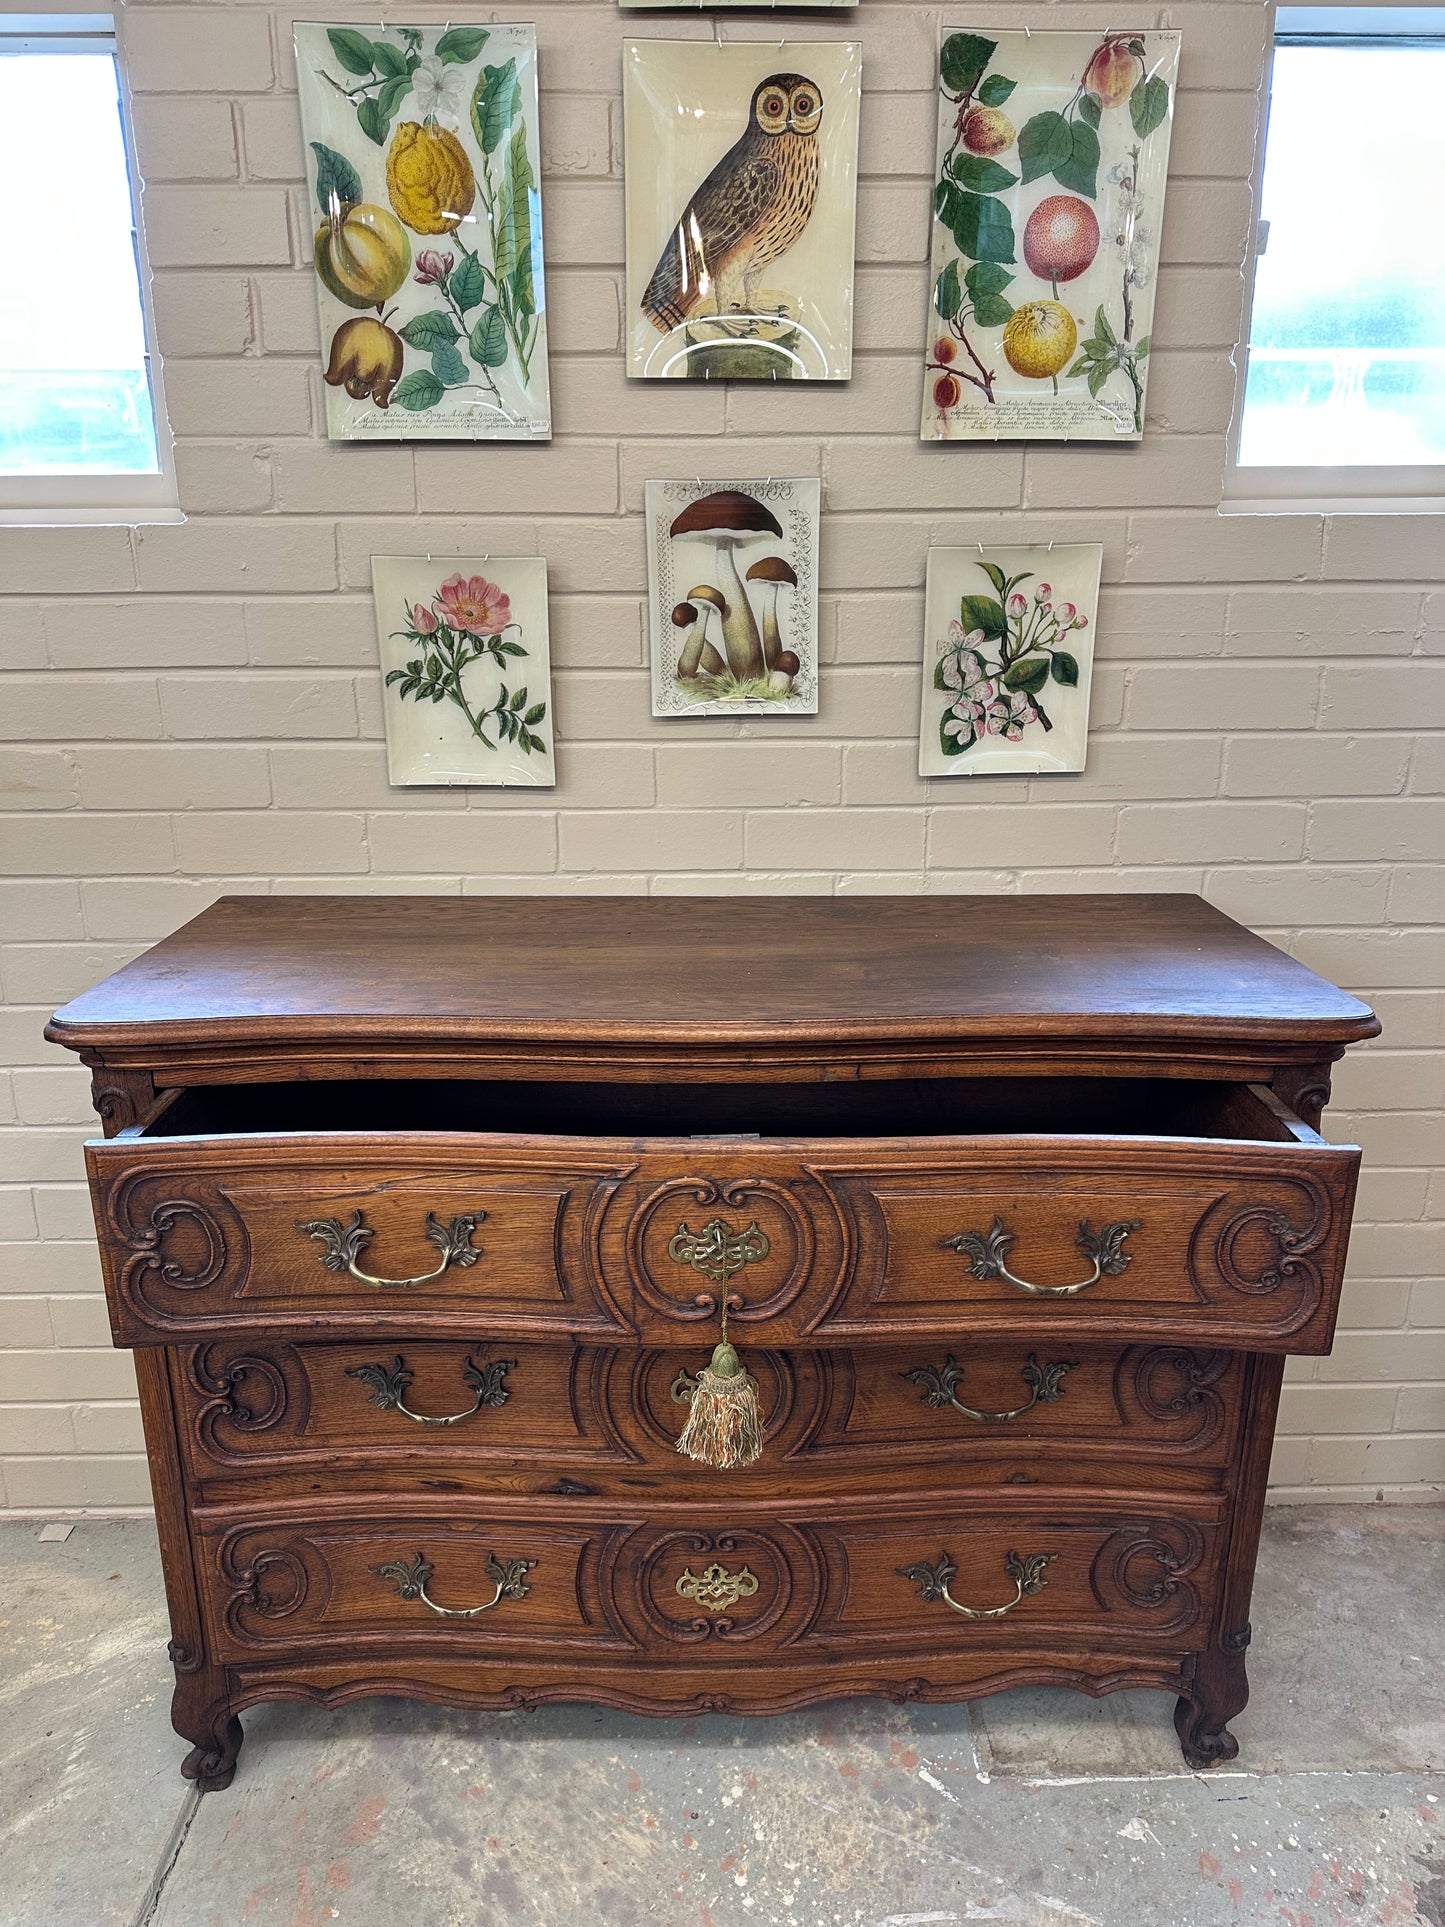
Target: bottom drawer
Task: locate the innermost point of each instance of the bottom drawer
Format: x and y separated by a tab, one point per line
932	1575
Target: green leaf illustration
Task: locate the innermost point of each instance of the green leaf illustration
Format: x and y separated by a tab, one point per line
372	122
336	178
947	296
535	713
1080	171
352	49
524	297
458	45
417	391
1045	143
495	101
1064	669
1141	347
980	225
467	285
996	90
390	97
1148	106
981	174
992	311
488	339
962	60
447	364
982	612
1102	328
514	209
1091	111
1099	373
428	331
996	576
1030	675
388	60
986	277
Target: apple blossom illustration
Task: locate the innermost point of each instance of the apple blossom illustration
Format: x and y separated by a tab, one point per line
469	621
999	655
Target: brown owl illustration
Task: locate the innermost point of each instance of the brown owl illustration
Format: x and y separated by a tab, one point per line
749	210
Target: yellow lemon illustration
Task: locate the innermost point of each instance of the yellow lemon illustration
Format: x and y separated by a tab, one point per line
362	254
1038	338
429	178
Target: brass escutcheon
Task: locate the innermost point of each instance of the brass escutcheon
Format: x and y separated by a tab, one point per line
715	1589
719	1251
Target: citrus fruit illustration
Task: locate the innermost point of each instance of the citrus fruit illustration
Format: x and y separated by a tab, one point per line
366	359
1113	73
987	131
429	178
1038	339
362	254
1061	238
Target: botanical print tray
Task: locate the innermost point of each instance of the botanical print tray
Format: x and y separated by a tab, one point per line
466	669
423	163
741	164
1053	148
732	571
1008	659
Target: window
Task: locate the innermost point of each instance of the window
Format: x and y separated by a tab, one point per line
1343	390
83	435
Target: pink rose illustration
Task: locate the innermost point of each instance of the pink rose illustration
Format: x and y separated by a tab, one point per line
474	605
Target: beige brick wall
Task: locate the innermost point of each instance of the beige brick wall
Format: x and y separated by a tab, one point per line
197	708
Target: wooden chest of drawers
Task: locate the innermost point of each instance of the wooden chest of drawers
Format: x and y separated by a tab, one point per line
412	1211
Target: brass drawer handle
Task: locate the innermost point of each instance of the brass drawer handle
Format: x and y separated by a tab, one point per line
1027	1574
939	1383
413	1576
989	1255
342	1245
389	1383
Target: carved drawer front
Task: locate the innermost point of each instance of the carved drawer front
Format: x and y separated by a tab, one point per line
1238	1244
1019	1574
809	1242
199	1237
375	1577
510	1579
580	1420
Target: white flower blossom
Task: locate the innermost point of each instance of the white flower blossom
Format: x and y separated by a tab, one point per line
440	89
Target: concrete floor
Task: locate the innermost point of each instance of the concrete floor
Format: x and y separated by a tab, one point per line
1038	1808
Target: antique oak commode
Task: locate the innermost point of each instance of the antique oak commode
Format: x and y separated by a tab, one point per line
417	1213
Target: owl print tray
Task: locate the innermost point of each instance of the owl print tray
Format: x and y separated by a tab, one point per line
742	169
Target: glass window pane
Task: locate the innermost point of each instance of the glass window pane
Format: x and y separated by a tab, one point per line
1347	337
74	388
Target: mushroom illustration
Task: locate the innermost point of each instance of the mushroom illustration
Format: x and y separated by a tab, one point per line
772	571
698	655
780	676
732	518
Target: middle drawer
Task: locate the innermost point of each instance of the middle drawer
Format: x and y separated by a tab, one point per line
600	1419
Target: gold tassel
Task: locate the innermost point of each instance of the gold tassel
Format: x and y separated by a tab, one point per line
724	1427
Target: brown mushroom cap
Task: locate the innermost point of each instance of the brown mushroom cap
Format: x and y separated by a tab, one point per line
683	614
726	511
772	568
704	592
786	663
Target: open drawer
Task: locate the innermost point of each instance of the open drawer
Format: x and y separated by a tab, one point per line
828	1214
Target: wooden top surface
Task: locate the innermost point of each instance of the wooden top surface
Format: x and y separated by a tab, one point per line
695	971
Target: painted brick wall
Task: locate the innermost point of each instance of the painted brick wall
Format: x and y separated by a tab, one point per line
190	709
